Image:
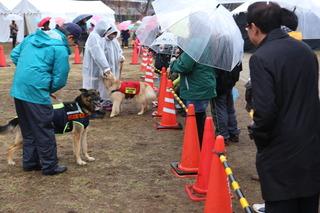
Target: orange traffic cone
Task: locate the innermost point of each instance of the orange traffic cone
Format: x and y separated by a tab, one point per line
198	190
162	92
150	58
188	166
77	58
149	76
134	56
218	196
3	62
169	118
144	60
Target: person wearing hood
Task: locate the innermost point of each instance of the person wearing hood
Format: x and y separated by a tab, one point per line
42	67
103	54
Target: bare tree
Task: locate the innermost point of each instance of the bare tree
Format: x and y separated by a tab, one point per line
143	10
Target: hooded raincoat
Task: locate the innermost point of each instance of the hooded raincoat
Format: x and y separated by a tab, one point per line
113	52
98	57
44	71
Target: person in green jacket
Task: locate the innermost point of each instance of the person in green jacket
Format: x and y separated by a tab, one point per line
42	67
197	86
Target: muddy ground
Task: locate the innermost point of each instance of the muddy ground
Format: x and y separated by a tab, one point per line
131	172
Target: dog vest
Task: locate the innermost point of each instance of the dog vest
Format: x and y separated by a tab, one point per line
129	88
66	114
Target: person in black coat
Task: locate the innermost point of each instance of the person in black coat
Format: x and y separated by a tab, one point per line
284	75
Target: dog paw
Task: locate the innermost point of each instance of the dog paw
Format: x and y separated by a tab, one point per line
90	158
11	163
81	162
140	113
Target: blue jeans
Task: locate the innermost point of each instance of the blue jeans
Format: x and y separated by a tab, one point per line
199	105
225	115
200	110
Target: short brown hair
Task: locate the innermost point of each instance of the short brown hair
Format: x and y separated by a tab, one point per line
266	16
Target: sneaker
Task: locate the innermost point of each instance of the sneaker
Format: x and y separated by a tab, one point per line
55	171
259	208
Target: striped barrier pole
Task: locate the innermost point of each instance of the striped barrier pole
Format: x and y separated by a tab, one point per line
235	185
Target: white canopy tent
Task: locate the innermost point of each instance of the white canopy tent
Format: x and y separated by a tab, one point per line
30	14
4	35
33	11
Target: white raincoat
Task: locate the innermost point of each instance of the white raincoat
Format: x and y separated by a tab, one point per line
95	61
113	52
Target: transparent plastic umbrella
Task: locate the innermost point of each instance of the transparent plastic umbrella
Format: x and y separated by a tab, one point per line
166	38
148	30
165	43
211	37
178	9
308	12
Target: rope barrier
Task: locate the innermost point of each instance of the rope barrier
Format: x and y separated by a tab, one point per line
154	68
179	100
235	185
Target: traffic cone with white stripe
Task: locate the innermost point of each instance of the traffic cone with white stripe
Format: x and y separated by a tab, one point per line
144	60
169	118
149	76
162	93
190	155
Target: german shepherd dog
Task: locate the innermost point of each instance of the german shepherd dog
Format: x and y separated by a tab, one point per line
87	102
143	97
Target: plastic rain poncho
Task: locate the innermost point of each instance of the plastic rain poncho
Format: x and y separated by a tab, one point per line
113	52
95	61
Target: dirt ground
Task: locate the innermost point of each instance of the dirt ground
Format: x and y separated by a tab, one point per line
131	172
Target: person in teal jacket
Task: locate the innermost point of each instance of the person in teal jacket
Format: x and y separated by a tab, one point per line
42	67
197	86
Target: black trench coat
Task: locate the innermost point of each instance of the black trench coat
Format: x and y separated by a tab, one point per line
284	74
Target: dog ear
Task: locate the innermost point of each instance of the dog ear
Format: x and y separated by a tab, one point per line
82	90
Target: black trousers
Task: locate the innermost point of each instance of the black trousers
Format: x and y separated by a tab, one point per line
298	205
14	41
39	143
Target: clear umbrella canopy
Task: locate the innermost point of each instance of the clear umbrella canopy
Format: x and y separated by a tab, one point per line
165	43
148	30
308	12
209	35
178	9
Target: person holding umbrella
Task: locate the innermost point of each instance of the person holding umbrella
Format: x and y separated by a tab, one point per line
286	130
81	20
42	67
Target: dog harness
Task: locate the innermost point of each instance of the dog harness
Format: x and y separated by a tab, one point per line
129	88
66	114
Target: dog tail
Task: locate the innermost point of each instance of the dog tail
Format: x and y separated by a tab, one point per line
9	126
150	93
